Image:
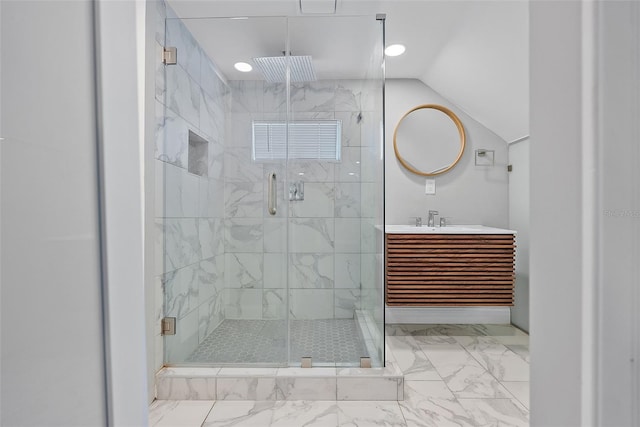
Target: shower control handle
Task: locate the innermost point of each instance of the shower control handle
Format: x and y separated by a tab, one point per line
273	203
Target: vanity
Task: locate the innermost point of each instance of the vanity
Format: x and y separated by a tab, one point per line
466	265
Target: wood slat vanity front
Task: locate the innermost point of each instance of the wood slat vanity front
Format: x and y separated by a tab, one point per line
430	269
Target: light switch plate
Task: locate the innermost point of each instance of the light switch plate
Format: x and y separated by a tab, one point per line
430	186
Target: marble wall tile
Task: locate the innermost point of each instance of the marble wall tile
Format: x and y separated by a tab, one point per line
241	132
243	303
181	242
430	403
313	96
210	81
211	274
181	288
311	303
159	258
311	171
496	412
275	98
216	159
181	191
245	98
347	271
306	388
304	413
246	388
348	202
185	388
371	165
362	388
243	200
350	128
171	135
368	191
211	198
234	413
348	95
161	15
243	270
346	302
211	235
370	414
311	270
243	235
370	239
348	170
371	128
275	235
189	52
311	235
212	117
182	94
318	201
275	270
239	167
274	303
210	315
347	232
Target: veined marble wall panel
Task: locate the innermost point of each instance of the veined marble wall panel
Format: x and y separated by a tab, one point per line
190	208
320	256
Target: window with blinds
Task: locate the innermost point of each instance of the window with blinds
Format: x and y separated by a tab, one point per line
308	140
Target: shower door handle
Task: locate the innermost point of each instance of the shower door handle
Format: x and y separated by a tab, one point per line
273	196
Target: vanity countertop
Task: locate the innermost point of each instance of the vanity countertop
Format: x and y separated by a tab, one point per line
450	229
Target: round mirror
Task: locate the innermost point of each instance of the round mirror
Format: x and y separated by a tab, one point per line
429	140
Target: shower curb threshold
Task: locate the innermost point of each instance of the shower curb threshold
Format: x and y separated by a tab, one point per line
292	383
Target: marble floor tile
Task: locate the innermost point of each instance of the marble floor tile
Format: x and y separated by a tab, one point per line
521	350
305	413
496	358
173	413
464	376
431	403
374	414
496	412
502	330
411	360
228	413
520	390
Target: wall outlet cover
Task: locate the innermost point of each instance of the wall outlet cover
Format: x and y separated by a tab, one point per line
430	186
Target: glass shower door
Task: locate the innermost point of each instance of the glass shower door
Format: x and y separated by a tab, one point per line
334	271
223	216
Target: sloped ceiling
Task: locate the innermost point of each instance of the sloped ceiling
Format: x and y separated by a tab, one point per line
474	53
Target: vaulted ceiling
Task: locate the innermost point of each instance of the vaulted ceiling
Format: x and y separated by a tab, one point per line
474	53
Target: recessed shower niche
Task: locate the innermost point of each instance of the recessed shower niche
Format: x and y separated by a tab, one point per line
198	155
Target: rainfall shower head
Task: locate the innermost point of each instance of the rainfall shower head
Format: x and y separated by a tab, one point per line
274	68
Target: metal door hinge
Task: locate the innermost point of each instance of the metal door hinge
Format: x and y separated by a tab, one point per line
169	326
509	168
365	362
170	56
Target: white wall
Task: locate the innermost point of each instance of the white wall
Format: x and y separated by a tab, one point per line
585	216
53	367
468	194
519	221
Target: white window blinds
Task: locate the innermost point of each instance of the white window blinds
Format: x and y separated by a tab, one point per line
308	140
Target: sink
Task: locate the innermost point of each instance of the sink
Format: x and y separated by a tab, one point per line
450	229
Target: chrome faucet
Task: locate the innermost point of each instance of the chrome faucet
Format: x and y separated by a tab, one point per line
431	221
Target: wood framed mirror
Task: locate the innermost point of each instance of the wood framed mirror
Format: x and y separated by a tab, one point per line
429	140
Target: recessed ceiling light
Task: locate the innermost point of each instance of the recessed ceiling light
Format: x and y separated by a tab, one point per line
243	66
394	50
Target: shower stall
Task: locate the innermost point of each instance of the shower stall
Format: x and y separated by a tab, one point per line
270	191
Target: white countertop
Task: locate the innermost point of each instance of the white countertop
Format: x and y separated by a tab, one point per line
450	229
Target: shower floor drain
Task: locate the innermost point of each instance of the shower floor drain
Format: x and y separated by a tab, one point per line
264	341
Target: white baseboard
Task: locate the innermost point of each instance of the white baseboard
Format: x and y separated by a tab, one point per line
448	315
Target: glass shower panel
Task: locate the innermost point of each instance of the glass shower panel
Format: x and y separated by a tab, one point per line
334	249
223	219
